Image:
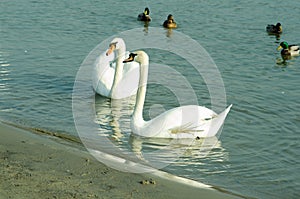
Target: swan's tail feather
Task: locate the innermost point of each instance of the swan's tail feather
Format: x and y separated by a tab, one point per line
217	123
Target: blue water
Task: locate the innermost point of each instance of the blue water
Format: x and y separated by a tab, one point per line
43	44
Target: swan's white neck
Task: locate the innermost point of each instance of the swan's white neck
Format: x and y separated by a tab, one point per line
137	116
119	67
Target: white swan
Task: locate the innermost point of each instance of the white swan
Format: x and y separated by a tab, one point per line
107	77
182	122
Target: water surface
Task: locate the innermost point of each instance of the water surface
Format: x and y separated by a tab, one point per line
43	44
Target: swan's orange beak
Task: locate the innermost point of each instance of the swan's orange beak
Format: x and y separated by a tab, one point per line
111	49
129	59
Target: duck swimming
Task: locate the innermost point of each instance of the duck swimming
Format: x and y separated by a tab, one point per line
170	23
274	29
288	50
145	16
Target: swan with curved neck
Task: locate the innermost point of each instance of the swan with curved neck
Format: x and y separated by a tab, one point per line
111	82
189	121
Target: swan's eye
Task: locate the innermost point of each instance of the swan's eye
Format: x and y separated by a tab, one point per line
130	58
113	44
132	55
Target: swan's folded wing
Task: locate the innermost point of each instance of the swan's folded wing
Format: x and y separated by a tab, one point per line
186	128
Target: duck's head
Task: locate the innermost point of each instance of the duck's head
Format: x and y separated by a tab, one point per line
278	27
283	45
170	17
147	11
115	44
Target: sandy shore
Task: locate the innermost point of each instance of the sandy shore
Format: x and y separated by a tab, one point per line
35	166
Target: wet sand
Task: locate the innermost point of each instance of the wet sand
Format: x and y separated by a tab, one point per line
41	166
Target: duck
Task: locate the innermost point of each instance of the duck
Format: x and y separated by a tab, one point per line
274	29
170	23
111	77
288	50
145	16
190	121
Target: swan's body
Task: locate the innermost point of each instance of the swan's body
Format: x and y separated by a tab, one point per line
288	50
182	122
274	29
119	80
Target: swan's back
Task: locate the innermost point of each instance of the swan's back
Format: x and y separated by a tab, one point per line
103	75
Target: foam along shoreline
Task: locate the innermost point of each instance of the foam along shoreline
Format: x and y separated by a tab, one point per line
35	166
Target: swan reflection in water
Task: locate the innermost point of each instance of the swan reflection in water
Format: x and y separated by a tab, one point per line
169	151
113	116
